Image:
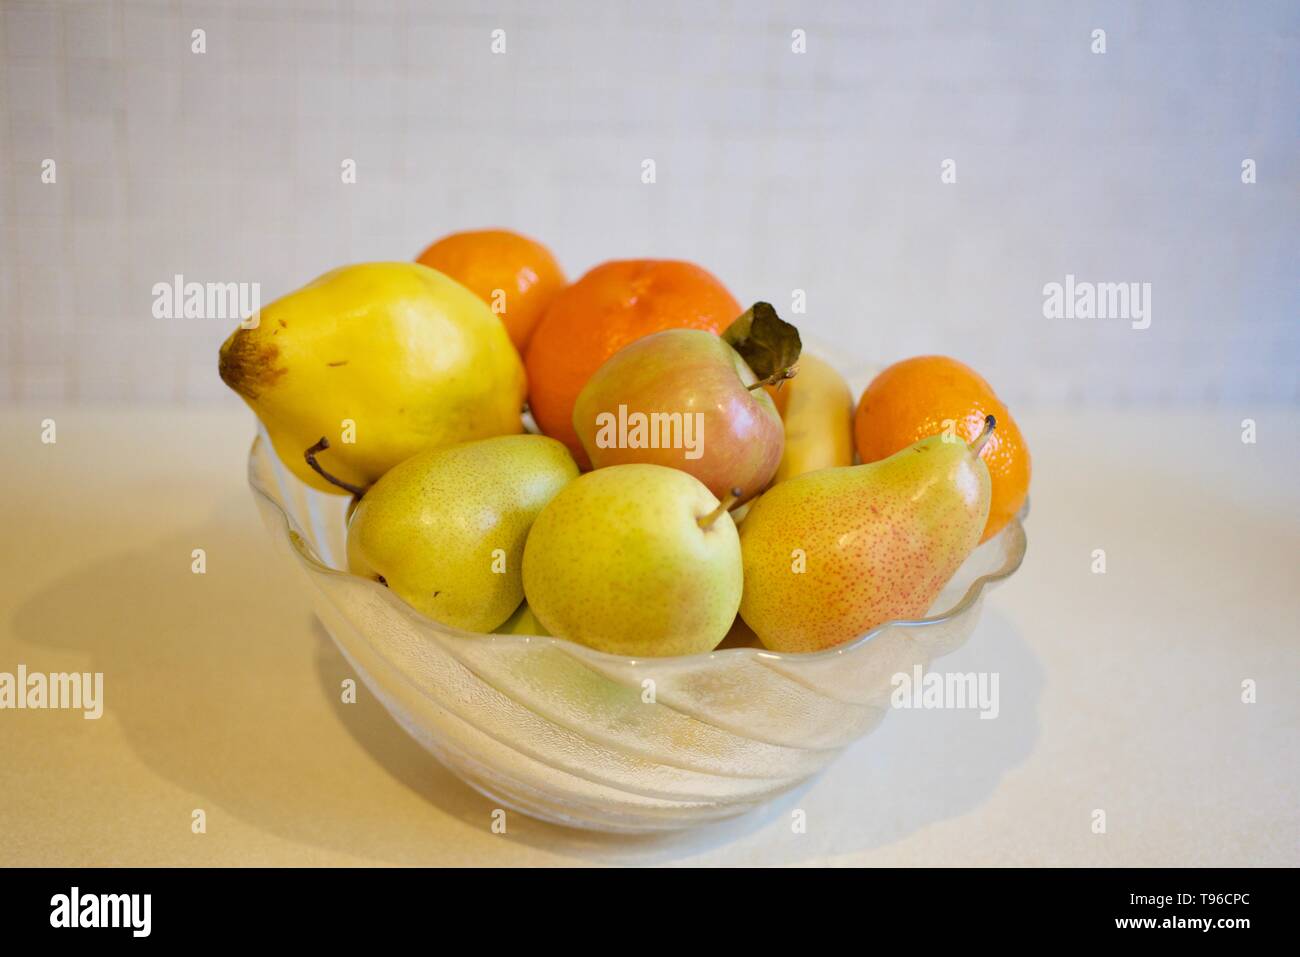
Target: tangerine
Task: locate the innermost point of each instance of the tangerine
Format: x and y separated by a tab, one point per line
516	276
919	397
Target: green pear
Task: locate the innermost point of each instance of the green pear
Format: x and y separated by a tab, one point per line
831	554
522	622
638	560
446	528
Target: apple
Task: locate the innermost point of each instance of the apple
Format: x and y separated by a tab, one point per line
683	398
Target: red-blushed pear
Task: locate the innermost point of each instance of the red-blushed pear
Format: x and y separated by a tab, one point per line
687	399
831	554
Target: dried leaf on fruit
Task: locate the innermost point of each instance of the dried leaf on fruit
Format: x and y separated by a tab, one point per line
768	343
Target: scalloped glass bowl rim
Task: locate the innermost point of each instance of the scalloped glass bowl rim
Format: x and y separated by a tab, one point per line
306	554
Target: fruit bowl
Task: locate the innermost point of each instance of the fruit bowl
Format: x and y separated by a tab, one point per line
581	738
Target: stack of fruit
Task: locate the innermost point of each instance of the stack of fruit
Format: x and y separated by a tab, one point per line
693	465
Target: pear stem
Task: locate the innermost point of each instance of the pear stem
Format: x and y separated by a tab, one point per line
977	446
776	378
706	521
310	456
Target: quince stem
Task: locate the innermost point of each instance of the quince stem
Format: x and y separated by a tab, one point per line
706	521
310	455
977	446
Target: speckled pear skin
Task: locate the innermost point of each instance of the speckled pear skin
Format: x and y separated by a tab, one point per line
879	542
431	525
618	562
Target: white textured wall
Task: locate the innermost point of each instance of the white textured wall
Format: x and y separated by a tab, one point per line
775	170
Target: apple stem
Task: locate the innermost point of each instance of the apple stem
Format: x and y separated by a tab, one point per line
776	378
706	521
310	456
977	446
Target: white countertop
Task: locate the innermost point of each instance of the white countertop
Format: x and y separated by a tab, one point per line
1119	692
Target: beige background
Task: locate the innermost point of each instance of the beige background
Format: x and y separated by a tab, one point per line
776	171
1118	691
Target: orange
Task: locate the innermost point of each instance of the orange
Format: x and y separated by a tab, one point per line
516	276
614	304
912	399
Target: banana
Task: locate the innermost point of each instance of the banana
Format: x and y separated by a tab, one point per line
818	420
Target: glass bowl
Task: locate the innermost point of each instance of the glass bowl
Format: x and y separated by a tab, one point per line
586	739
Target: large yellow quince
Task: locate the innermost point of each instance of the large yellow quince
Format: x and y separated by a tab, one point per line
383	360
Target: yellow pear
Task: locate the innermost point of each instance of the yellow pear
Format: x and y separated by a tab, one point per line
446	528
383	360
831	554
638	560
